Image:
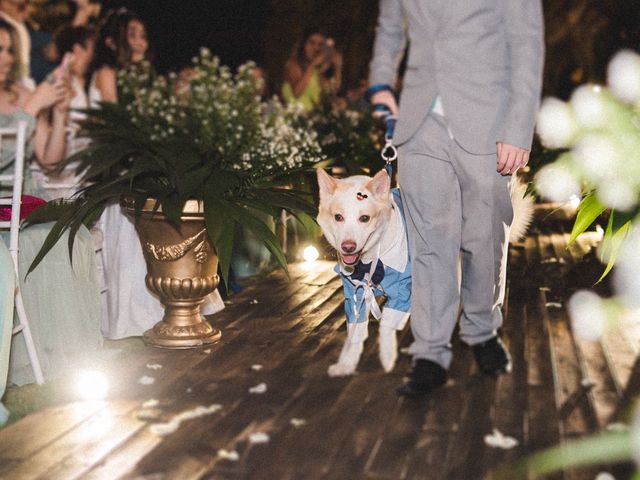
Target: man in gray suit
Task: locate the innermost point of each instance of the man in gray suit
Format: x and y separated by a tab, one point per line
470	96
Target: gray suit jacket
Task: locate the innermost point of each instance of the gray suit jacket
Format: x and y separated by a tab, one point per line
483	57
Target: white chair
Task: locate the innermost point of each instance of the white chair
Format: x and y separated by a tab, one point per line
13	225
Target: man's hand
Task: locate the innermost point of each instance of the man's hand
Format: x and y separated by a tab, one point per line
385	97
511	158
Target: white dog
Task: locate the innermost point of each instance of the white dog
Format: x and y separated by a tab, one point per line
362	219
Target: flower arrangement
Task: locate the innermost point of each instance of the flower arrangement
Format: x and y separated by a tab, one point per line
598	134
349	137
202	135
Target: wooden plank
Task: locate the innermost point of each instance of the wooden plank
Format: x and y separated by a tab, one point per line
604	394
542	419
510	404
22	439
576	413
175	362
224	430
430	424
83	445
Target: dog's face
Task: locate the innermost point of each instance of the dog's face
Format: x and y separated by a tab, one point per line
353	213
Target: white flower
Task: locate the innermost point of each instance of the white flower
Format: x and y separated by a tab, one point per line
598	156
557	125
556	183
588	315
616	193
623	76
589	106
626	276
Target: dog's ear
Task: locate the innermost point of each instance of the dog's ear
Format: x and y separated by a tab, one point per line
327	183
379	185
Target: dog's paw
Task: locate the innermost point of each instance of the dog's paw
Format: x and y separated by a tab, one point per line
341	370
388	349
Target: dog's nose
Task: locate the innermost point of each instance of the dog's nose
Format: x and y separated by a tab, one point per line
348	246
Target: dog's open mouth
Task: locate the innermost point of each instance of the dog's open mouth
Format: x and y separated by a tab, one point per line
350	259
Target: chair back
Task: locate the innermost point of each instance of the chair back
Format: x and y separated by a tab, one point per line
16	180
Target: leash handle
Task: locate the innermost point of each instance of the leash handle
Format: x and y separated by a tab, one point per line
389	153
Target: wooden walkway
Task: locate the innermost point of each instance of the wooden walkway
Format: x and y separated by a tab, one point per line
351	428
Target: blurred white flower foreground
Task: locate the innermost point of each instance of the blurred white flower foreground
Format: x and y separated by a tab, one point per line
600	130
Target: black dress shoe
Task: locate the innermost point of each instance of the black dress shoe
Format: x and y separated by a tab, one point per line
425	377
492	357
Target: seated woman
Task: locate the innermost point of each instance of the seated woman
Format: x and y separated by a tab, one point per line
314	67
129	308
78	44
62	300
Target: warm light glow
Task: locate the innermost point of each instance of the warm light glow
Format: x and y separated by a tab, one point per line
310	254
92	385
600	231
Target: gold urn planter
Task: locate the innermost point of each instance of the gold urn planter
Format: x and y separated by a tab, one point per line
181	269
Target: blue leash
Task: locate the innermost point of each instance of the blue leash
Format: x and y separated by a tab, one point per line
389	153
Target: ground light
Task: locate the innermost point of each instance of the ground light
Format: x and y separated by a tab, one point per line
310	254
92	385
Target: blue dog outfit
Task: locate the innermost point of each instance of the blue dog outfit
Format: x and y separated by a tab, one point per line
391	278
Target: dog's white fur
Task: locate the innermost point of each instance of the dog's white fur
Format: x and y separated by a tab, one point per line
338	197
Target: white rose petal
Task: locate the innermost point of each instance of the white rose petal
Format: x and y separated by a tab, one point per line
623	76
259	437
557	125
498	440
588	316
258	389
145	380
298	422
231	455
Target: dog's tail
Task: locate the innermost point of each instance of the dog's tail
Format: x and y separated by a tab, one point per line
523	207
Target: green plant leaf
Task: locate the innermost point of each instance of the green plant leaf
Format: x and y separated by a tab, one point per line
617	230
604	448
221	230
590	208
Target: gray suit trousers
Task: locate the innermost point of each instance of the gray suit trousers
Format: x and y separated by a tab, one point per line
456	205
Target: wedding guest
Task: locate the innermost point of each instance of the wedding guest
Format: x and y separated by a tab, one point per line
15	13
44	53
78	42
62	299
129	308
122	41
314	67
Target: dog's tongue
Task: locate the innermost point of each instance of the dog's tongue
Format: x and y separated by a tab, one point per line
350	259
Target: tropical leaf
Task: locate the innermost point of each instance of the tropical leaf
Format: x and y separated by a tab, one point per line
607	447
590	208
617	230
220	230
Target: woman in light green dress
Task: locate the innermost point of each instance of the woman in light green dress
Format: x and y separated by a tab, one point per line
314	68
62	300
